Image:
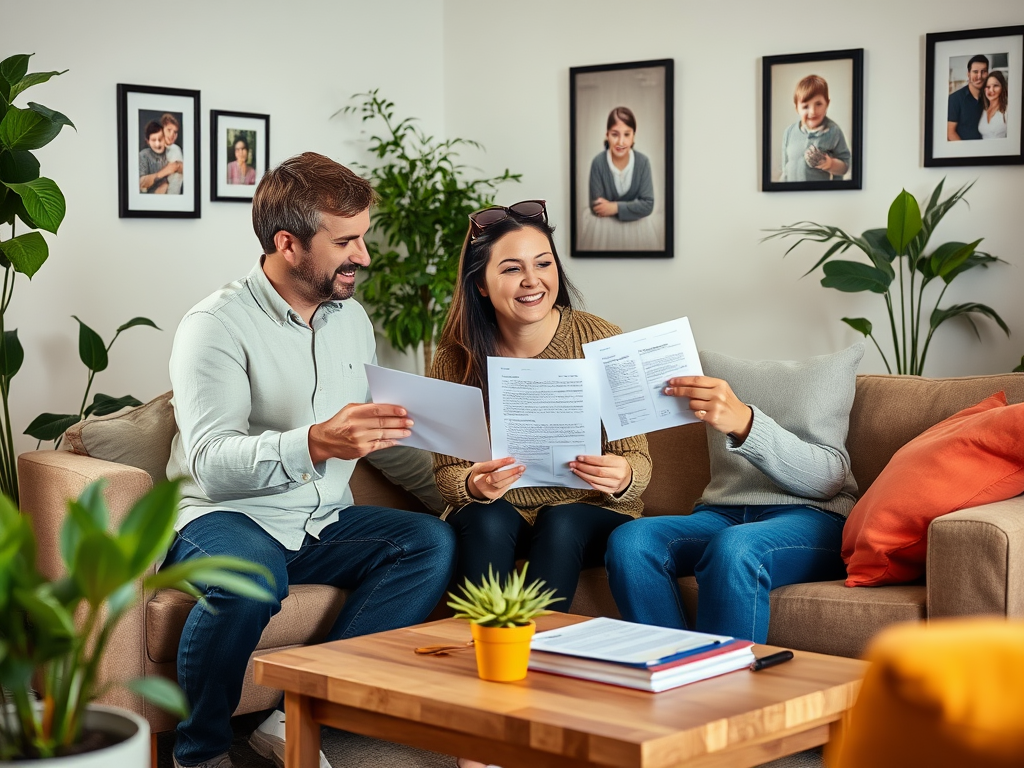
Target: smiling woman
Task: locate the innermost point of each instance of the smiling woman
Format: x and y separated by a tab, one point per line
513	299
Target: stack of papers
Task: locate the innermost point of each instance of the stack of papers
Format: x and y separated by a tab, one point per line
636	655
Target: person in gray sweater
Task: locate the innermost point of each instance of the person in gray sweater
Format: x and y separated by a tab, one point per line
773	514
620	177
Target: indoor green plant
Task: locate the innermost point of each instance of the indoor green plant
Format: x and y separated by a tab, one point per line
53	631
900	270
418	224
34	201
501	620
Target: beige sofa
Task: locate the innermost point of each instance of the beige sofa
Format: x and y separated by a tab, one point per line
975	561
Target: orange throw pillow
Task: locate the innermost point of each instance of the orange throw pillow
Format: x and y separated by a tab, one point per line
972	458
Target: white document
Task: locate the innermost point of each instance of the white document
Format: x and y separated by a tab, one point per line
447	418
622	642
635	367
544	413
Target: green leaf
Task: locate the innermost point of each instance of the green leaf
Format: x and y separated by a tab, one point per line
27	129
18	167
148	528
55	628
44	202
12	70
50	426
36	78
854	277
207	571
138	321
162	693
1019	368
104	404
91	349
949	266
12	355
55	117
26	253
939	316
100	567
904	221
859	324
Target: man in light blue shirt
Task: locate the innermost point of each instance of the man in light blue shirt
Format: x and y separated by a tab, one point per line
270	401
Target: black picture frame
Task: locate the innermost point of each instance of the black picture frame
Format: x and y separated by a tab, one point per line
166	197
779	78
647	88
947	57
226	129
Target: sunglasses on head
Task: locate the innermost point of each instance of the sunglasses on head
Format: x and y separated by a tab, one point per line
525	209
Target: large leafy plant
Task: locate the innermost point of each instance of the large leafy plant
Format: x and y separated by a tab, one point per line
492	605
900	269
419	223
26	200
56	631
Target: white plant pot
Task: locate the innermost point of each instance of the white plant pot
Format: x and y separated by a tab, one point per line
132	751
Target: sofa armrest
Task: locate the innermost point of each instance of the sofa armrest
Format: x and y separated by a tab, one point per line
976	561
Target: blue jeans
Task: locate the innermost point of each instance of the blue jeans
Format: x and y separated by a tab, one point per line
738	554
564	539
397	565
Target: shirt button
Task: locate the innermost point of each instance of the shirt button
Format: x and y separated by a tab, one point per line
305	475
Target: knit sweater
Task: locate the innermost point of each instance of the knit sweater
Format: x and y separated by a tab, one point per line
575	328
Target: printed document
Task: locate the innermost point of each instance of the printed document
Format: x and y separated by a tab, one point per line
635	367
447	418
544	413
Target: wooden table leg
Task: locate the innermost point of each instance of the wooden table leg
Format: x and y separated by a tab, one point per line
301	733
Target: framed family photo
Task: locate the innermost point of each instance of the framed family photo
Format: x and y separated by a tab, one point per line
620	138
974	87
239	154
157	152
812	125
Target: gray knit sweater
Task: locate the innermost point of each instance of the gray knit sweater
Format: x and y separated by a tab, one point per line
798	454
639	198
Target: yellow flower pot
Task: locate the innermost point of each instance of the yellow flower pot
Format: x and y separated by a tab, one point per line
502	653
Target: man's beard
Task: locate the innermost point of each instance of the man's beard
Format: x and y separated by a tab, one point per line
317	287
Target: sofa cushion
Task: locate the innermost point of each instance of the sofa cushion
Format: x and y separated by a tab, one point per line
139	437
306	616
972	458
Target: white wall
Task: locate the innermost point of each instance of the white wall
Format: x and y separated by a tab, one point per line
507	85
298	61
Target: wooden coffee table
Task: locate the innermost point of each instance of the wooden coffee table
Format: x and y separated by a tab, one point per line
375	685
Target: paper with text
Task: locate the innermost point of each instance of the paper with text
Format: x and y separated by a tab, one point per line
622	641
634	368
447	418
544	413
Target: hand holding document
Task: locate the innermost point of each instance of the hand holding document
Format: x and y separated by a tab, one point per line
544	413
635	367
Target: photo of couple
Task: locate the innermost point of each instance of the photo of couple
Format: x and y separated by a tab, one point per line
977	109
161	162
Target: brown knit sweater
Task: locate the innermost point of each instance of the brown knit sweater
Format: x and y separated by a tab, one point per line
575	328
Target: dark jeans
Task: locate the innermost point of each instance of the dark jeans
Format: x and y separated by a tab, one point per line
397	565
565	539
738	554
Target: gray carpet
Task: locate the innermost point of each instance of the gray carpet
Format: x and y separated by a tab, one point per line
348	750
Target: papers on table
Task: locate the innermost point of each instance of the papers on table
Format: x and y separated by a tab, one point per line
635	368
447	418
544	413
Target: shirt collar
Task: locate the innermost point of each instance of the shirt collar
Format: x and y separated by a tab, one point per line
821	130
611	163
271	302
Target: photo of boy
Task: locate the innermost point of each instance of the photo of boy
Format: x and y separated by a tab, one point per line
173	152
153	166
813	148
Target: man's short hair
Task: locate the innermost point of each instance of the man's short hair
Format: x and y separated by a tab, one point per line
168	119
979	59
153	127
809	87
293	196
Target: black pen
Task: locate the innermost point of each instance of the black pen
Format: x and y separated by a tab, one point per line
770	661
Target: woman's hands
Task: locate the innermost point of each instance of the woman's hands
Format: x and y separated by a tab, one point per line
488	481
714	403
604	207
609	473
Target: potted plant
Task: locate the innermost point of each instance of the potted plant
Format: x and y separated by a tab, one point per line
53	631
501	620
419	224
899	265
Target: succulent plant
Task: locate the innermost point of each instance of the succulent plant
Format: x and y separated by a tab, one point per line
492	605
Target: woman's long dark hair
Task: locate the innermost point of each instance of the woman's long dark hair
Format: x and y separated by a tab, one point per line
470	331
1003	97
